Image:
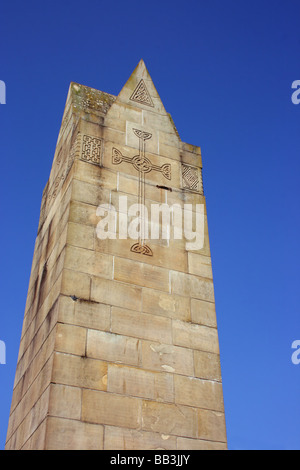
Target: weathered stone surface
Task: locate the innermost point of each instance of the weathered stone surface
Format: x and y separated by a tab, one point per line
140	383
198	393
192	286
211	425
116	293
89	262
70	339
169	419
141	274
166	305
195	336
65	402
199	444
119	346
114	348
203	312
168	358
200	265
67	434
79	371
121	248
207	365
141	325
130	439
81	235
84	313
112	409
75	283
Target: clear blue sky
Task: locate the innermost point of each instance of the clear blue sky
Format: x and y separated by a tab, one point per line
224	70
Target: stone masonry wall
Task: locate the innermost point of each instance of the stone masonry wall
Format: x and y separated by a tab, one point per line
119	348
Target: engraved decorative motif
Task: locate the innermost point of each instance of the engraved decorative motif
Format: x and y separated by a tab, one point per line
191	178
91	149
143	165
141	94
141	249
140	162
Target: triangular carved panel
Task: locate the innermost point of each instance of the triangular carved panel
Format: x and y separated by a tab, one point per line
141	94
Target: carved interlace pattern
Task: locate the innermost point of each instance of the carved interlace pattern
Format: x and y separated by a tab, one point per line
141	94
191	178
91	149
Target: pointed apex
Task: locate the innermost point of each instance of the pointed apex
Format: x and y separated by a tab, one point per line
140	91
141	65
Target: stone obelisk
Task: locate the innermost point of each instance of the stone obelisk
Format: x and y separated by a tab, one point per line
119	346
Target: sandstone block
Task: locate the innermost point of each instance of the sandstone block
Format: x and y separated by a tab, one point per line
81	235
141	274
89	193
70	339
166	305
113	347
95	174
207	365
85	214
167	358
67	434
211	426
160	248
169	419
141	325
200	265
79	371
194	336
131	439
83	313
108	408
89	262
37	439
140	383
203	312
65	402
116	293
198	393
75	283
192	286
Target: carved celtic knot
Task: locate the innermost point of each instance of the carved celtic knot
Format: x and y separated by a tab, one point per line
141	249
141	163
117	157
191	178
142	134
141	94
91	149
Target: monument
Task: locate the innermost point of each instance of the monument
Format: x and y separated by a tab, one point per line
119	347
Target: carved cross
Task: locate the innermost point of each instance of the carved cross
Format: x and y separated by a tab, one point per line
143	165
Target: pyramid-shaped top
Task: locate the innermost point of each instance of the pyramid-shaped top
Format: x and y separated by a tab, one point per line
140	91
